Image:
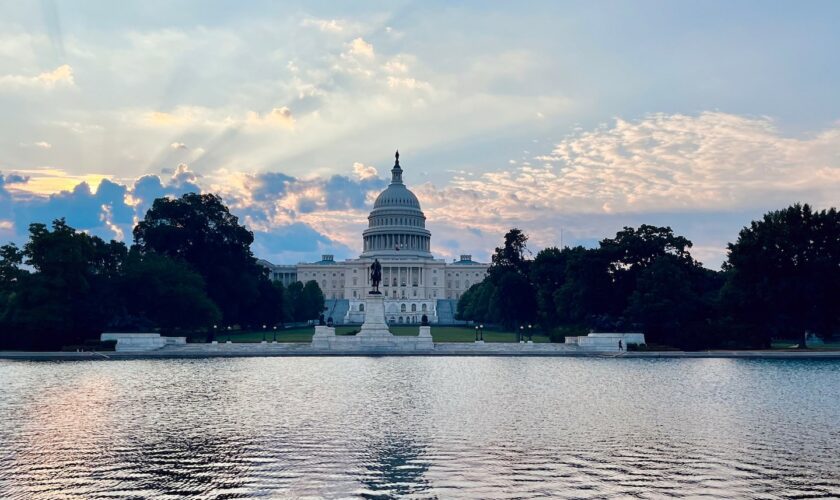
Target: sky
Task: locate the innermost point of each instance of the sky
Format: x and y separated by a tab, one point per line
569	120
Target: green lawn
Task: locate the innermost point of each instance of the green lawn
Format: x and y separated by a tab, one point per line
793	343
304	334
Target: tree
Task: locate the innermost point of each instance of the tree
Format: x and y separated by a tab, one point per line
311	301
293	301
587	290
510	296
548	274
633	250
270	305
513	301
70	295
783	275
674	303
511	256
200	230
167	293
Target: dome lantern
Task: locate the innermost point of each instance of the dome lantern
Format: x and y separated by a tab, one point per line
396	172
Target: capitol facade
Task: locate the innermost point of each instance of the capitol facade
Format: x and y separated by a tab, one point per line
414	283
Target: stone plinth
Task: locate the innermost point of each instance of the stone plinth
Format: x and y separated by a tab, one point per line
375	324
323	337
134	342
374	336
605	341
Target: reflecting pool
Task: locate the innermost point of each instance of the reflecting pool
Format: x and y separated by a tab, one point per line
420	427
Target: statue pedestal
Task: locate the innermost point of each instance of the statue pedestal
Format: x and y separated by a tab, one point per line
374	336
375	324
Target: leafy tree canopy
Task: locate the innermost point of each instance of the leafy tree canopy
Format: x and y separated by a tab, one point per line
200	230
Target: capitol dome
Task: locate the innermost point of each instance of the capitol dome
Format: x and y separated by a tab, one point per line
396	225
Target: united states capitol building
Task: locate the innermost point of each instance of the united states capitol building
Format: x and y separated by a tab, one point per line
414	283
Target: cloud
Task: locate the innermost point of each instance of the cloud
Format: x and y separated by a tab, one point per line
666	162
178	145
276	117
689	168
268	185
187	117
39	144
408	83
706	175
364	172
360	48
326	25
62	76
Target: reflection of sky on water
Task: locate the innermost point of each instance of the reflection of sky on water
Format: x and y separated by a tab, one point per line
419	427
394	467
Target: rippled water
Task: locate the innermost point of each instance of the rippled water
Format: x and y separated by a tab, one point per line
420	427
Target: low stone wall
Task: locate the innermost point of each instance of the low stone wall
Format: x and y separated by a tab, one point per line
139	342
605	342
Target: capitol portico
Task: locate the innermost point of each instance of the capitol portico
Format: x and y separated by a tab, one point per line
414	283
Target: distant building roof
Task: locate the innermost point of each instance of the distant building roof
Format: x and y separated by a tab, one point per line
326	260
467	260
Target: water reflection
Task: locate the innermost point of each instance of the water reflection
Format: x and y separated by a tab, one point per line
420	427
393	467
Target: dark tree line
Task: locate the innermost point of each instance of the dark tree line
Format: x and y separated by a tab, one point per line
781	280
190	268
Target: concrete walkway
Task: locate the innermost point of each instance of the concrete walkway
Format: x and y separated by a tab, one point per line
269	349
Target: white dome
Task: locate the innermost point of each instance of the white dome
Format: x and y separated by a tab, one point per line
396	225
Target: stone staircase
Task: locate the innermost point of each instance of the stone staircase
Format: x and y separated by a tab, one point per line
446	312
337	309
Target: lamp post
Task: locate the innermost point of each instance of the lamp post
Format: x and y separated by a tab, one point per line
228	330
264	327
530	333
476	333
215	328
275	334
481	333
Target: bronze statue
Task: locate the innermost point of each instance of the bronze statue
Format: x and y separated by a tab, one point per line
375	276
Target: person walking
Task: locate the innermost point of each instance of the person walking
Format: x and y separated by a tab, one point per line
620	347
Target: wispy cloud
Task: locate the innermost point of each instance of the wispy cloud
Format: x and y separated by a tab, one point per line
61	76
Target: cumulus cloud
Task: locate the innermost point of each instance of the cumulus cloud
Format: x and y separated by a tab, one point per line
706	175
360	48
665	162
276	117
693	167
61	76
364	172
178	145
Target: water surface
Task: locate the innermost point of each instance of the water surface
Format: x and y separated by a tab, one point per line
420	427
